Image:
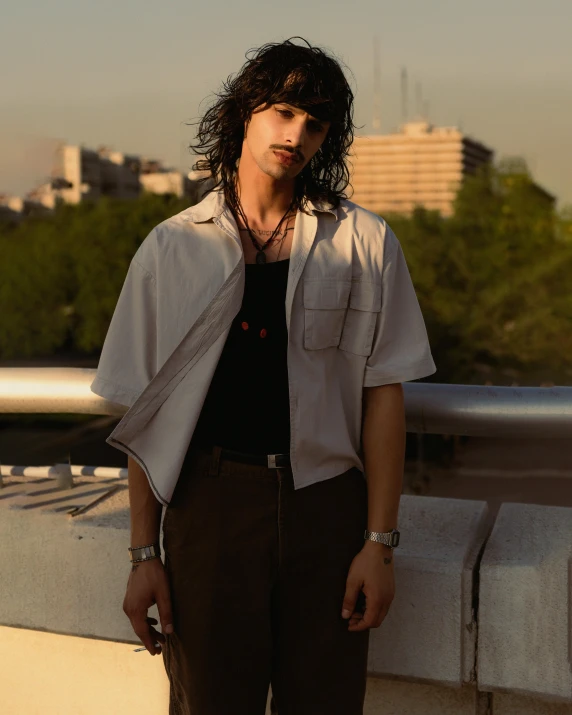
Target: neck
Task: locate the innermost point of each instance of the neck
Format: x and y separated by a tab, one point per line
263	198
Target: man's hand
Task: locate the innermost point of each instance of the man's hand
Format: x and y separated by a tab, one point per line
148	584
371	571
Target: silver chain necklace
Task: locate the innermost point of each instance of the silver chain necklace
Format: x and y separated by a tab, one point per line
261	256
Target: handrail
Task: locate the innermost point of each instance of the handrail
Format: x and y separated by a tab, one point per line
472	410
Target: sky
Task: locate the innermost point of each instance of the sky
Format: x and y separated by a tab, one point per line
134	74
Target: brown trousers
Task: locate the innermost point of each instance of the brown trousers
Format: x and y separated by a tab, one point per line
257	572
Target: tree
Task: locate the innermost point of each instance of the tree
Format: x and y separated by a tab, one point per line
60	276
492	280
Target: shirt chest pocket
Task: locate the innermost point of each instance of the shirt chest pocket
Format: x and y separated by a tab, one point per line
325	305
340	314
361	317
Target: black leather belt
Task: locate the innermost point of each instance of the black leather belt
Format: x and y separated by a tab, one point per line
273	461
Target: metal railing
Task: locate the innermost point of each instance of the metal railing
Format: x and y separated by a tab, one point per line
431	408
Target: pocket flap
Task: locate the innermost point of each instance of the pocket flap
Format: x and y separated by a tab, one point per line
365	296
326	294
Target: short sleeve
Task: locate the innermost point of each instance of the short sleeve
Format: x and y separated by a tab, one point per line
401	350
128	360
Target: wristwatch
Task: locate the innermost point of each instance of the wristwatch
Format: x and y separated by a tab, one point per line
389	538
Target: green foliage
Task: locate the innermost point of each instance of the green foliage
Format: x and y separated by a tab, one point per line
564	224
32	290
492	280
60	276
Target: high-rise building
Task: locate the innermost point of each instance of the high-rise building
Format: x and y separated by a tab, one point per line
421	165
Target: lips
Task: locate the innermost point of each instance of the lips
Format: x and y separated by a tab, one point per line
286	158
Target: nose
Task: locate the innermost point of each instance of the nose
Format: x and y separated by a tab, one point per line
296	135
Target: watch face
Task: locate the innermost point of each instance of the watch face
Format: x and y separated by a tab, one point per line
395	538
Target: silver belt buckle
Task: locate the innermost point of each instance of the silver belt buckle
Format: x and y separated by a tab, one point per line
272	461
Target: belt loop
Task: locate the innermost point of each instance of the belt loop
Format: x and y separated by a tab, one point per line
215	461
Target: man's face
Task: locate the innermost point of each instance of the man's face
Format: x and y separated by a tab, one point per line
282	139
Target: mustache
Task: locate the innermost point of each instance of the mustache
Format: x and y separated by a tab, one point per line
297	154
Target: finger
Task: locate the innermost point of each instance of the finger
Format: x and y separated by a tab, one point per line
151	643
158	636
144	633
382	615
164	608
154	622
356	616
350	598
359	626
372	611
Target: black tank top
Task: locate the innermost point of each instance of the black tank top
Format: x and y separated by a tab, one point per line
247	405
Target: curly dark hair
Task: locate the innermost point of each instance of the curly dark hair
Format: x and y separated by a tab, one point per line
284	72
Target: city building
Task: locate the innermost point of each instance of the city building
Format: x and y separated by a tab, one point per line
203	182
156	179
11	207
15	208
421	165
80	174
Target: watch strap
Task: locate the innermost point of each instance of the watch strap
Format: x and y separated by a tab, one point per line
389	538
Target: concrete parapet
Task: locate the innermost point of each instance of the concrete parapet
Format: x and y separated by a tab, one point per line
394	697
525	621
508	704
67	574
429	633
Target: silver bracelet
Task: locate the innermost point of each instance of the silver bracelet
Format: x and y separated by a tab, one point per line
144	553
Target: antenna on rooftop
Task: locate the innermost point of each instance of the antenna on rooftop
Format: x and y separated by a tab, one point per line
376	122
404	98
426	110
418	100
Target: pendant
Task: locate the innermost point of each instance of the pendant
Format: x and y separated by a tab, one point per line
261	257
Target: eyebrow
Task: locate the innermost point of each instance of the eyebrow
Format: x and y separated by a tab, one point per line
310	116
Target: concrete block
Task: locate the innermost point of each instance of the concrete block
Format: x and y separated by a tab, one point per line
509	704
394	697
429	633
524	603
49	673
67	574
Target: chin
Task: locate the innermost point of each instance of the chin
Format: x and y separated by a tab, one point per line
279	173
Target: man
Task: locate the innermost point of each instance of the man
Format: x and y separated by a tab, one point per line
260	341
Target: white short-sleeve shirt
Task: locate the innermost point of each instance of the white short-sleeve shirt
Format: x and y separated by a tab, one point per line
353	321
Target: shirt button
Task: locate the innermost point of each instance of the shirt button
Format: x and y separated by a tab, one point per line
263	333
244	325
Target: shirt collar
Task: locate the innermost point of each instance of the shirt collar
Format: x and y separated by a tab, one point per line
214	204
322	207
210	207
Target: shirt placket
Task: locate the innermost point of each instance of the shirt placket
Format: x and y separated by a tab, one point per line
305	230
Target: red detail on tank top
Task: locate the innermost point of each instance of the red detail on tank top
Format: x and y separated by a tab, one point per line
244	325
263	333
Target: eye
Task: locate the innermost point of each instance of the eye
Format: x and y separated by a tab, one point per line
316	127
285	112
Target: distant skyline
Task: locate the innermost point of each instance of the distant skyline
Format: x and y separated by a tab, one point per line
130	74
